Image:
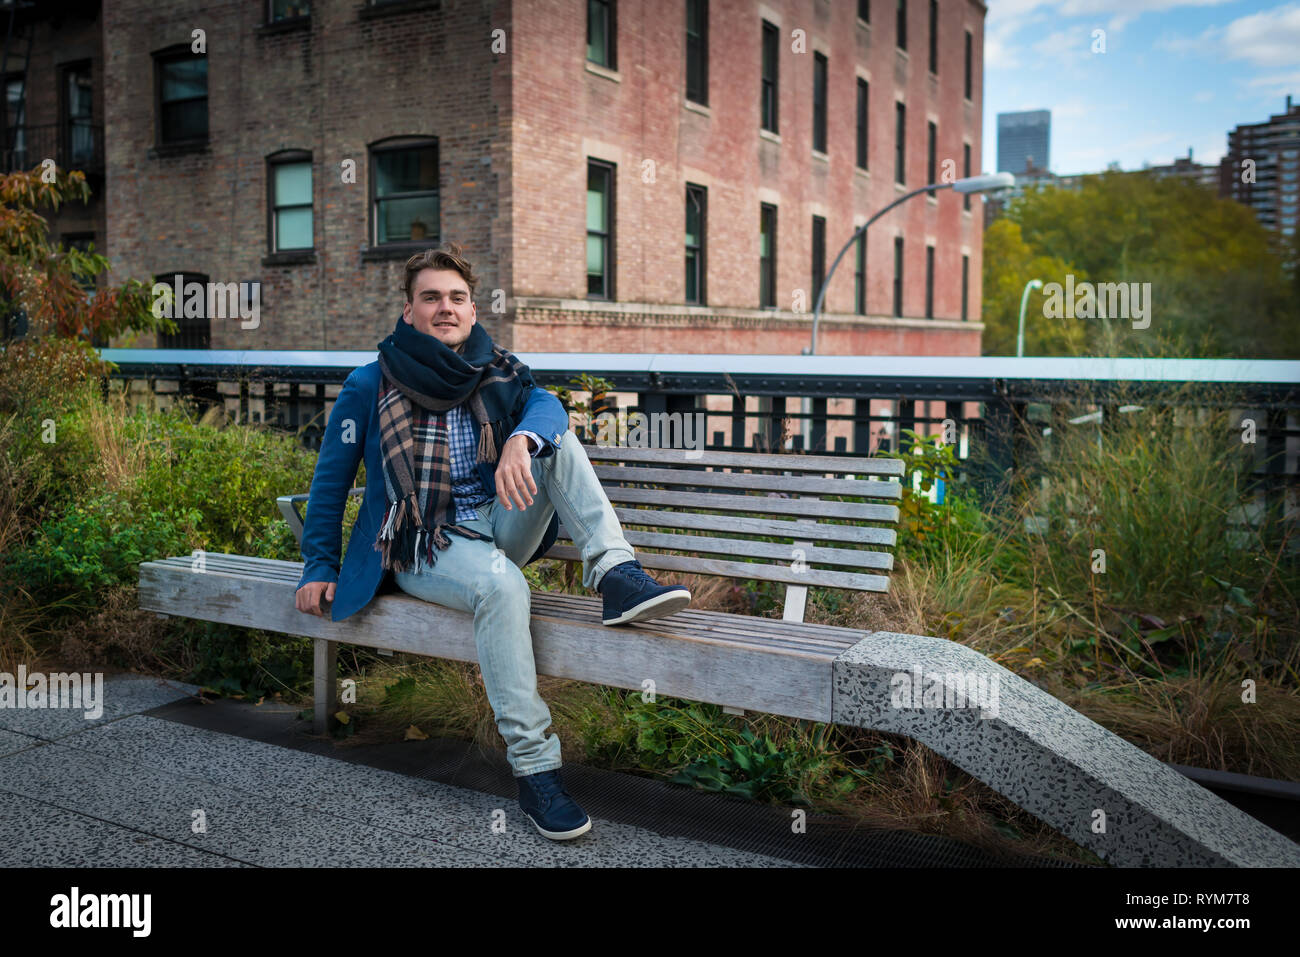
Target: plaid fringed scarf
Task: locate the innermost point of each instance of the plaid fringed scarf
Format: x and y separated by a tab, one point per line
421	380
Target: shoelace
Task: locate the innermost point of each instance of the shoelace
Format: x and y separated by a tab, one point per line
637	576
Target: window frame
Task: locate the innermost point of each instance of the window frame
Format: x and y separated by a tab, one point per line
610	8
900	144
863	128
700	195
931	155
900	26
898	277
970	40
818	256
701	46
767	213
176	54
66	71
929	281
821	92
860	275
395	144
609	171
770	88
289	157
169	278
934	37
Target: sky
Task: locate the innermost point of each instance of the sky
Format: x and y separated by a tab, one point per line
1175	74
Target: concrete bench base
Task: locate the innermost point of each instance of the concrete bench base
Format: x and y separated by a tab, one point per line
1094	787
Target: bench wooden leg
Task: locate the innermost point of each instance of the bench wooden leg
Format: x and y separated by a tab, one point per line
325	688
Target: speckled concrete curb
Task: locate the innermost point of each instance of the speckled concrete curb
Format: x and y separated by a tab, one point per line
1090	784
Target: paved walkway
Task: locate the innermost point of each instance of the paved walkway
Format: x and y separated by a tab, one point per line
127	789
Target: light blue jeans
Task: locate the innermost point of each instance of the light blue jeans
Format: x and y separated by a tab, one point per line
485	578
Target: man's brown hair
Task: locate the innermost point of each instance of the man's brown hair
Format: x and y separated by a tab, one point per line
447	258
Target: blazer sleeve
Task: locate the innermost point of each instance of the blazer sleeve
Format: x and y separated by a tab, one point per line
545	416
336	470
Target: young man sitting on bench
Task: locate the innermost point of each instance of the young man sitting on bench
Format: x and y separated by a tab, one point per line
478	467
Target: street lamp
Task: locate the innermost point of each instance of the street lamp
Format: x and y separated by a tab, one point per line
1024	298
969	184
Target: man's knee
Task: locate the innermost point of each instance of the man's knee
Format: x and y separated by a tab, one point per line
504	583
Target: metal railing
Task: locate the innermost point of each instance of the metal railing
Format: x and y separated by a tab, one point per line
846	405
73	146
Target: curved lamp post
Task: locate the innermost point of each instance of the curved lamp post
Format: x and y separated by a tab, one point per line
970	184
1024	298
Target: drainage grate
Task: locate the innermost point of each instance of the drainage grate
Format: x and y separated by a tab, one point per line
667	809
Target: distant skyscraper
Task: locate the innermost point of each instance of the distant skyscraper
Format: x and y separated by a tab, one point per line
1262	169
1023	139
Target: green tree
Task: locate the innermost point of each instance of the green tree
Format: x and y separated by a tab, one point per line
1219	283
1009	263
44	280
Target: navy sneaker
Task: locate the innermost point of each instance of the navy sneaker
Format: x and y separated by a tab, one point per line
556	815
632	595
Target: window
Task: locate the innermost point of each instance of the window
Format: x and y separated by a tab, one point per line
600	230
818	256
900	126
696	220
860	276
902	24
290	201
863	92
697	51
968	64
600	33
864	10
278	10
404	192
965	277
189	312
767	255
931	151
77	131
771	49
934	36
965	167
929	282
16	122
819	102
898	276
182	79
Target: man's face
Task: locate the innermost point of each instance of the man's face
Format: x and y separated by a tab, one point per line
440	306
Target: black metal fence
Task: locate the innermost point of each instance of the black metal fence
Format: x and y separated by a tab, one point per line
827	405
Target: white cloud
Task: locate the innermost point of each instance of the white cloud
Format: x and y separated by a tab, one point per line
1203	96
1269	38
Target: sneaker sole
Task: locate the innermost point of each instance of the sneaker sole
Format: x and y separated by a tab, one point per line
669	603
561	835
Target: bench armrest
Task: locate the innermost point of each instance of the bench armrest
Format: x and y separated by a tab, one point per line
289	509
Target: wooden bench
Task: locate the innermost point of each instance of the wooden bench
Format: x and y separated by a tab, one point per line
717	515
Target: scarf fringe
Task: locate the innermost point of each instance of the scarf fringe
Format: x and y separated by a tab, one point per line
405	544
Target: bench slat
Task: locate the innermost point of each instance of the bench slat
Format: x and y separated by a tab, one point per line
748	548
770	504
774	573
857	465
748	480
700	521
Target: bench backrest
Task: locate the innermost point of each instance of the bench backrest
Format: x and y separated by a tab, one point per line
797	519
717	513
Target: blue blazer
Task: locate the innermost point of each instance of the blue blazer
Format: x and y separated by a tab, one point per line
336	470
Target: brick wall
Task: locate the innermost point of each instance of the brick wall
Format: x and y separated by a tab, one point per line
515	131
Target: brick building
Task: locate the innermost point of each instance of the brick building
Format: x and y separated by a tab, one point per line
663	176
51	66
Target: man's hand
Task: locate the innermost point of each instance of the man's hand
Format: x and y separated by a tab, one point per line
514	475
308	597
